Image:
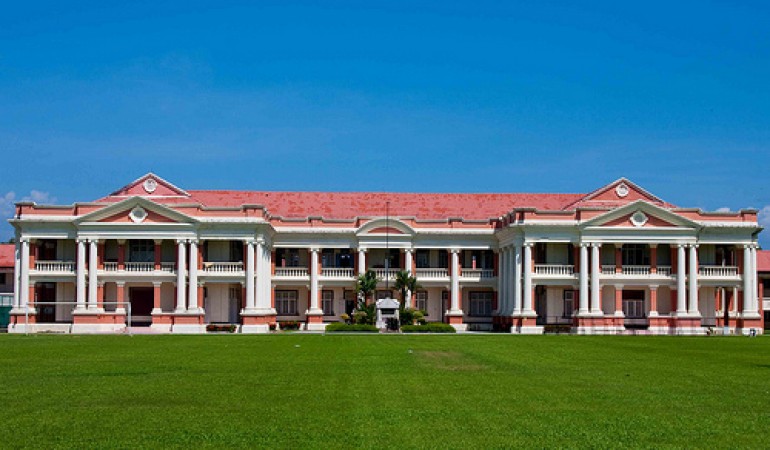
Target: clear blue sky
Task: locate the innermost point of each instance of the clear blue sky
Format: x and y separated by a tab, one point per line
404	96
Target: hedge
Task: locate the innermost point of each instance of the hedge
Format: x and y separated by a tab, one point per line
433	327
342	327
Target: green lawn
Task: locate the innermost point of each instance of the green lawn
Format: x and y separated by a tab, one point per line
314	391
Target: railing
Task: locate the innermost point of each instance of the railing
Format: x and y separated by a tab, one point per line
110	267
168	267
477	273
291	272
140	267
386	273
426	273
636	270
718	271
608	269
555	269
55	266
222	267
664	271
337	272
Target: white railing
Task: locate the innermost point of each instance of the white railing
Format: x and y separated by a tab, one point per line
608	269
555	269
664	271
140	267
222	267
425	273
110	267
636	270
718	271
55	266
168	267
477	273
337	272
291	272
386	273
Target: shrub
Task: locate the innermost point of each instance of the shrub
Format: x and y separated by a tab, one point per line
347	327
365	314
406	316
221	328
433	327
392	324
419	317
289	325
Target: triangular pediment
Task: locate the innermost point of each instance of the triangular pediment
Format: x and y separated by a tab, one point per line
136	210
640	214
150	185
619	192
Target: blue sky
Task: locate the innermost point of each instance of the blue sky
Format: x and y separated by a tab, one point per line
402	96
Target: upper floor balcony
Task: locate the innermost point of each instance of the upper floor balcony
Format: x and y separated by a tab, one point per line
55	267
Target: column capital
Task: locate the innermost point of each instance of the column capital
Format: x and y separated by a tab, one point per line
315	249
93	240
194	241
599	244
680	245
181	241
122	241
653	245
618	245
362	249
157	284
653	287
528	244
584	244
619	287
455	250
408	250
120	283
158	241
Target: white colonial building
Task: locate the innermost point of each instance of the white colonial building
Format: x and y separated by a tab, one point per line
614	260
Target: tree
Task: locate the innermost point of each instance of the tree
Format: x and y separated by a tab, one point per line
366	284
405	283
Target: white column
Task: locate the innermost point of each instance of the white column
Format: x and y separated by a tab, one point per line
408	263
80	287
509	302
596	300
24	276
16	274
314	306
259	271
693	281
454	307
735	301
755	300
748	270
500	281
250	298
192	295
681	307
583	310
181	268
361	261
264	279
527	307
92	268
515	287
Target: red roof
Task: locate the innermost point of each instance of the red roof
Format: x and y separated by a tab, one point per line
346	205
7	255
763	260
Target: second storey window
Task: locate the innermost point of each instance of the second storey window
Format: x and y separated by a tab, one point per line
141	250
481	304
286	303
635	255
422	259
569	303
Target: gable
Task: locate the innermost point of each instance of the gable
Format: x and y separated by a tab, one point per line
136	210
385	230
150	185
640	214
630	220
617	193
131	215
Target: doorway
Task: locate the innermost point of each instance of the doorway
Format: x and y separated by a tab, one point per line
142	302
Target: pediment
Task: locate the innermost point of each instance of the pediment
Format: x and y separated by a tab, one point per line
136	210
641	214
619	192
382	226
150	185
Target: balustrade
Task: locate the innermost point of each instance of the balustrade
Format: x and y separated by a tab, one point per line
222	267
294	272
718	271
55	266
337	272
555	269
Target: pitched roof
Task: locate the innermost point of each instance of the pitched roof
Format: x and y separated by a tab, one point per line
343	205
7	255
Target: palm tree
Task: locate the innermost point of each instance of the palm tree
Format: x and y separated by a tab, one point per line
405	283
366	284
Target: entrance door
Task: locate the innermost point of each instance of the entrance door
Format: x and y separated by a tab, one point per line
141	299
46	292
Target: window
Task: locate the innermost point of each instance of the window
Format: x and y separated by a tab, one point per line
481	304
236	251
3	278
384	294
422	259
443	259
633	304
286	303
569	303
351	301
421	301
327	302
141	250
636	255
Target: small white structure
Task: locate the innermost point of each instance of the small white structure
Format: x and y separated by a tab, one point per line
387	308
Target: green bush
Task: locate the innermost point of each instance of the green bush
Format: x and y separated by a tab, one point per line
433	327
406	316
289	325
365	314
358	327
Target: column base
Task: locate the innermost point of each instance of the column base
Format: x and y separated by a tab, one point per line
185	323
315	321
96	321
599	325
257	321
455	318
526	325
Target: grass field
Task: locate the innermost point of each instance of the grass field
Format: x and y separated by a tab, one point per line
314	391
